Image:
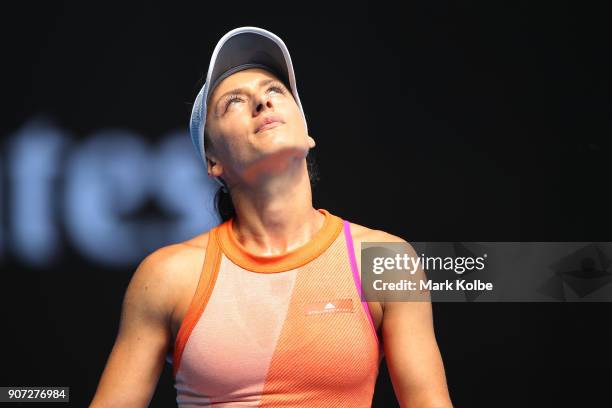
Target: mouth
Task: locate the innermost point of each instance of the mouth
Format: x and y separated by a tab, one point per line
267	126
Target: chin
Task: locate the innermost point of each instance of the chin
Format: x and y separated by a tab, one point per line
281	151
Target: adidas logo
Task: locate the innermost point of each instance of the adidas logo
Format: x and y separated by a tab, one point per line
329	307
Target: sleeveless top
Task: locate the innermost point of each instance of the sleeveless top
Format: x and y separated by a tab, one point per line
278	331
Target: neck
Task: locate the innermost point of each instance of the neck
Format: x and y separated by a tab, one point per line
276	215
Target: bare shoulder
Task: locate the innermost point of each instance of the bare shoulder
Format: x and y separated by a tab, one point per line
362	233
174	256
167	261
162	275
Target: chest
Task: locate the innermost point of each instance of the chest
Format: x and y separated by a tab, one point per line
188	285
259	333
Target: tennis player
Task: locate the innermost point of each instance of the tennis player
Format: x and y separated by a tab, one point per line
265	309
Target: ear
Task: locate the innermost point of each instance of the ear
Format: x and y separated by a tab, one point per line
311	142
215	169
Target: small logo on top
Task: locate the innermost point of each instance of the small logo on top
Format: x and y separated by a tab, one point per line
329	306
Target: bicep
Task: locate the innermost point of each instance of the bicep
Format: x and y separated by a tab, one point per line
138	354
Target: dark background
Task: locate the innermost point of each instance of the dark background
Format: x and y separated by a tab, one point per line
466	121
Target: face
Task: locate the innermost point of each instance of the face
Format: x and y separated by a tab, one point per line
242	144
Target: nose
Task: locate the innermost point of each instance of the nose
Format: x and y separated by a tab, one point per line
262	103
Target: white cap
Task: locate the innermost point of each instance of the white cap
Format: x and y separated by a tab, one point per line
241	48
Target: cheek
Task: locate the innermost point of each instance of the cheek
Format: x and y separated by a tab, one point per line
230	137
235	126
295	117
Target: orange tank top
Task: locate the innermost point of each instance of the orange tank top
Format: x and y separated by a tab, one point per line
287	330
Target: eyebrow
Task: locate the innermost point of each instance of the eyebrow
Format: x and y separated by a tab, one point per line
262	83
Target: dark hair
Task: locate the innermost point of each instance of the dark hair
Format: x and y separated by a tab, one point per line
223	200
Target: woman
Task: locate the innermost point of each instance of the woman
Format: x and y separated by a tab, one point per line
265	308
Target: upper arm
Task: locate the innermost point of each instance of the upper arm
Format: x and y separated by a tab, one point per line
138	355
412	354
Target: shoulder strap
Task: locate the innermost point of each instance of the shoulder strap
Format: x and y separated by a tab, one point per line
353	261
206	283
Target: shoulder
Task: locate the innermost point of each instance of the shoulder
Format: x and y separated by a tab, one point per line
175	255
170	259
163	274
363	234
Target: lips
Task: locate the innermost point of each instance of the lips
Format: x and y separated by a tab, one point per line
269	126
269	122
